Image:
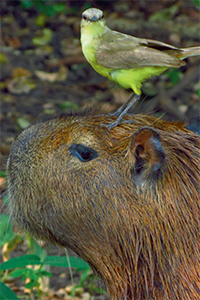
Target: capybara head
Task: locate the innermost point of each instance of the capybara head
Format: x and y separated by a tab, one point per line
125	200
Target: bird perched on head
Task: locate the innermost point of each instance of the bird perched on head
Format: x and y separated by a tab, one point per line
125	59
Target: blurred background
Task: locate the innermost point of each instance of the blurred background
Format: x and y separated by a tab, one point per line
44	73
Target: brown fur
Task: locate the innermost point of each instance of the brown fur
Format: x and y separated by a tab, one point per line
133	213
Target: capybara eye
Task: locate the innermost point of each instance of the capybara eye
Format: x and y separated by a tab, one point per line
83	153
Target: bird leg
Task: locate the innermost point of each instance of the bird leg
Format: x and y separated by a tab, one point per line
122	111
123	106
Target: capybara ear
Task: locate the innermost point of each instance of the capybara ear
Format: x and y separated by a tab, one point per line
146	153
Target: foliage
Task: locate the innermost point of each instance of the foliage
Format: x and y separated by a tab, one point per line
165	14
6	293
6	233
44	6
69	105
21	266
2	173
198	93
196	2
174	75
45	37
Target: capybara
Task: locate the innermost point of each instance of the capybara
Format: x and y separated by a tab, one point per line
125	200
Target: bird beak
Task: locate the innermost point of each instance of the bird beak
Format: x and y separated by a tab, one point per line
94	19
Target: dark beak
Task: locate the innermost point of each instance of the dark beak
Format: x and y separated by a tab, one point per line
94	19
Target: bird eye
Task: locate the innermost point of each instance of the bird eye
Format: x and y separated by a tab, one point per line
84	17
82	152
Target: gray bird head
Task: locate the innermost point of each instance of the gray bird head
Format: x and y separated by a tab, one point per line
92	15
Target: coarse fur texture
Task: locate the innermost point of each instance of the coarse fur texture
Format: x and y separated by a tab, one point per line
125	200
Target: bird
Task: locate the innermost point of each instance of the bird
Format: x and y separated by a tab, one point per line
124	59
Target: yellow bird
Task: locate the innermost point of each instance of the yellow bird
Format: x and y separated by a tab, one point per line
125	59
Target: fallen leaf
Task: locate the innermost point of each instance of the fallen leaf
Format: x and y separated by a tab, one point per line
61	75
21	72
87	296
15	43
2	181
45	76
40	20
3	58
44	39
23	123
2	85
20	85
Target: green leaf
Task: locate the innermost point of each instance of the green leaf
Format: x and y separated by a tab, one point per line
5	200
2	173
39	41
47	33
6	232
84	276
86	5
35	248
40	20
165	14
40	5
59	7
99	290
3	58
69	105
174	75
6	293
32	284
49	10
42	273
21	261
198	92
24	273
44	38
61	261
27	4
23	123
196	2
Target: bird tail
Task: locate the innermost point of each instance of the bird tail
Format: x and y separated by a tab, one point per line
187	52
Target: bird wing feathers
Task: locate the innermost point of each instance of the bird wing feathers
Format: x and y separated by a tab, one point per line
121	51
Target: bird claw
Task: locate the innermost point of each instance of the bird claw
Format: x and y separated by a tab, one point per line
116	113
111	125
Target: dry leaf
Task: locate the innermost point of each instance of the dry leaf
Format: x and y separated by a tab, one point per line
61	75
2	181
21	72
45	76
20	85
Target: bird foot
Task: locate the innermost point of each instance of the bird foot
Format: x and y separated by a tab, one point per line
116	113
122	111
111	125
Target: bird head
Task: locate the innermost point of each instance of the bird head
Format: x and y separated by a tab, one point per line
93	18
